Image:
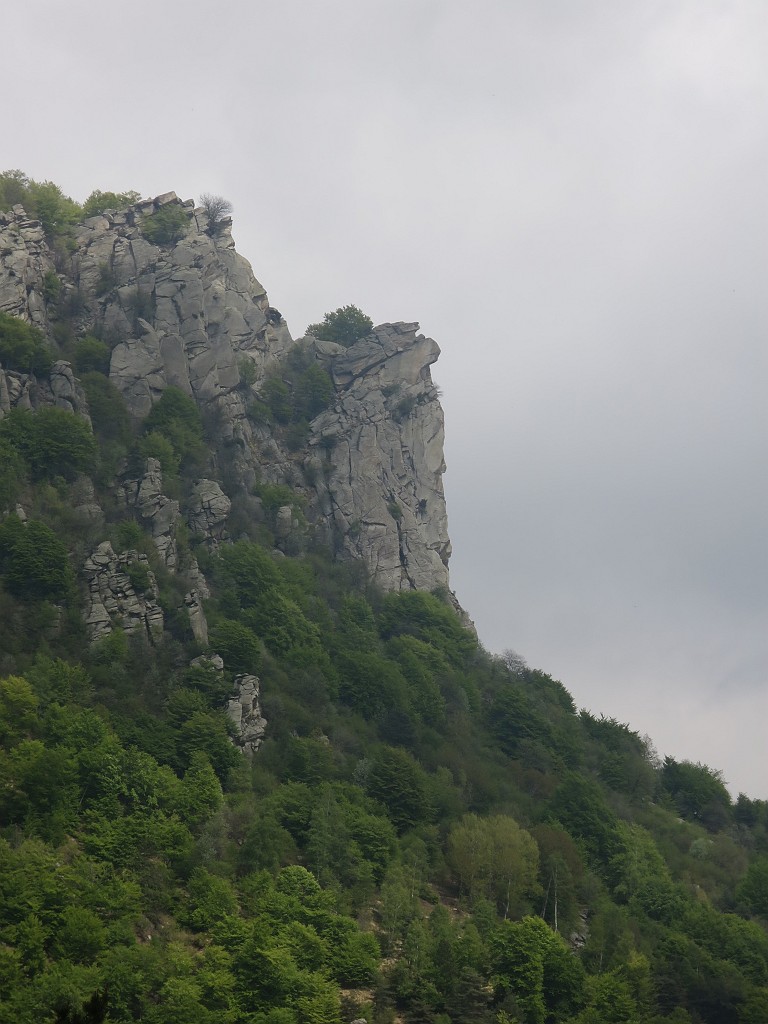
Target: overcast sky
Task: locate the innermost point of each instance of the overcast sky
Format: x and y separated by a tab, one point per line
570	197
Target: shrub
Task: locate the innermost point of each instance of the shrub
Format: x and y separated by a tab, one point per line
247	370
216	208
167	226
53	442
176	418
138	574
44	200
156	446
13	188
346	326
11	474
55	211
404	408
51	286
98	201
313	393
416	613
107	279
91	354
109	413
277	397
33	561
22	347
238	646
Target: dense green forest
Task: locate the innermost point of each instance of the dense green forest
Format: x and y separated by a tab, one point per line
429	833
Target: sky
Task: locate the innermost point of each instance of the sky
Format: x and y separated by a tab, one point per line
570	198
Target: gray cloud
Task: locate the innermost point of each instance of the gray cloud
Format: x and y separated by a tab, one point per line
570	198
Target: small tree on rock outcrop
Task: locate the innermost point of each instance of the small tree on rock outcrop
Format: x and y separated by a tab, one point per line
215	208
346	326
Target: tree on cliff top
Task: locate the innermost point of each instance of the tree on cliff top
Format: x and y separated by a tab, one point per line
216	209
346	326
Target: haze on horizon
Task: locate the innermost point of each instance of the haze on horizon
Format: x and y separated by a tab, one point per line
570	199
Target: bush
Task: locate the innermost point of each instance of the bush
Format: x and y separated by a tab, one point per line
51	286
313	393
22	347
91	354
11	474
109	413
167	226
44	200
346	326
33	561
53	442
238	646
13	188
216	208
98	201
156	446
174	432
424	616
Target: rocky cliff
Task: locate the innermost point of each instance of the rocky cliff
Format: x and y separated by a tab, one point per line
368	473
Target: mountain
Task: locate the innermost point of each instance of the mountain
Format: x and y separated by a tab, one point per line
255	764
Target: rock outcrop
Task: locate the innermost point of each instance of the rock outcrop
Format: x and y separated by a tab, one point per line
25	259
154	510
190	314
207	512
122	593
379	455
244	710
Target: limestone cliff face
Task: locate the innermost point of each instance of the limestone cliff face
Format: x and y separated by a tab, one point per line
193	316
382	461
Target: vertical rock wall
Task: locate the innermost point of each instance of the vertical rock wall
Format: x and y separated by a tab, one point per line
192	315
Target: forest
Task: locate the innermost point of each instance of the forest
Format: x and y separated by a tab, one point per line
429	833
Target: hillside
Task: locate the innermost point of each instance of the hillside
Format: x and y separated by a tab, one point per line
256	767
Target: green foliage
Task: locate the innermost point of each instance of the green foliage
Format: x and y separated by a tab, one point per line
138	574
313	393
175	419
167	226
33	561
11	473
247	371
155	445
44	200
238	646
52	441
293	403
109	413
23	347
397	781
91	354
372	685
424	616
698	792
51	286
345	326
98	202
534	966
753	888
56	212
495	857
13	188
